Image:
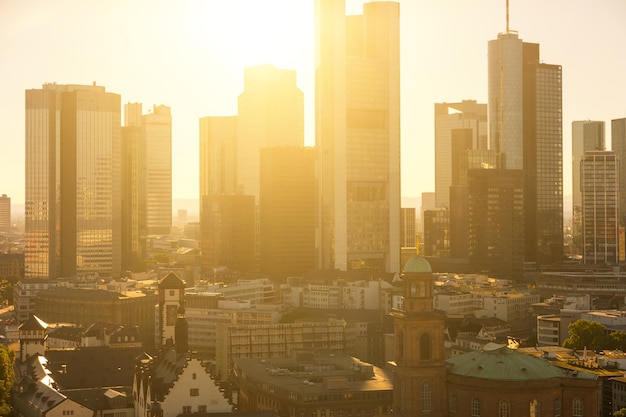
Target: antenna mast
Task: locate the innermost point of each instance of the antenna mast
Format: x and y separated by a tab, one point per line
507	16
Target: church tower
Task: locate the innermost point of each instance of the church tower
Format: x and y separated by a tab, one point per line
33	335
171	298
419	366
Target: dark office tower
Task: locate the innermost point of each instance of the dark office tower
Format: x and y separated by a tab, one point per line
437	232
599	182
228	235
525	126
287	211
618	144
407	227
467	116
73	181
587	135
358	135
496	223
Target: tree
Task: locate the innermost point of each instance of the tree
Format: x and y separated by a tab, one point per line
586	334
7	357
620	413
618	341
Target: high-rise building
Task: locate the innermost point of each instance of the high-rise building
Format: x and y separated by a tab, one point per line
358	135
147	179
437	232
618	145
599	182
73	181
218	168
287	210
471	118
5	213
525	126
496	222
587	135
407	229
270	113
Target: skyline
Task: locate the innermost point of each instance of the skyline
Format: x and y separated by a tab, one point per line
143	63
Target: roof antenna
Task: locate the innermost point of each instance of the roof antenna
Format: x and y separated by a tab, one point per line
507	16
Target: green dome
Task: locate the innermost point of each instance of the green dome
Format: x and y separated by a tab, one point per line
417	264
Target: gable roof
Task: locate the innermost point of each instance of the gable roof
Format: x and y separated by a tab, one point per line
171	281
33	323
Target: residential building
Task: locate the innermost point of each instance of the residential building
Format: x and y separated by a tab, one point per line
513	308
496	222
458	126
599	181
72	138
5	213
287	211
358	135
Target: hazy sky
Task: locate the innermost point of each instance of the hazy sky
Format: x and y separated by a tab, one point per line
190	55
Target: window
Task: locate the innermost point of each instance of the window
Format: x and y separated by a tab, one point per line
425	396
186	409
194	392
557	408
577	407
475	407
425	346
453	403
194	376
202	409
504	409
534	408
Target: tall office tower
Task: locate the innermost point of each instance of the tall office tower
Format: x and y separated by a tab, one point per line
5	213
437	232
525	126
270	113
358	135
218	168
599	182
147	179
287	211
587	135
618	145
407	227
496	222
471	118
73	181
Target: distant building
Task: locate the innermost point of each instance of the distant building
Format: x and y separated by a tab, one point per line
5	213
437	233
618	145
599	181
287	211
407	227
73	138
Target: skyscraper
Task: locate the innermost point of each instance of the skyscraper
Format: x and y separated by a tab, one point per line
525	127
618	145
287	211
467	115
270	113
147	179
5	213
73	181
599	180
587	135
358	135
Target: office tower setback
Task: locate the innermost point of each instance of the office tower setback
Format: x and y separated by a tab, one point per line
467	118
599	182
525	126
587	135
5	213
270	113
496	222
73	181
287	211
618	145
147	166
358	135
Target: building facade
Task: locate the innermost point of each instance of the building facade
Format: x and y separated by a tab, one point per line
358	135
72	138
599	182
618	145
5	213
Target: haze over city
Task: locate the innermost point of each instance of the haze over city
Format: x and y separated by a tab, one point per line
190	55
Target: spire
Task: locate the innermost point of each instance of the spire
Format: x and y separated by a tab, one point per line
507	16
